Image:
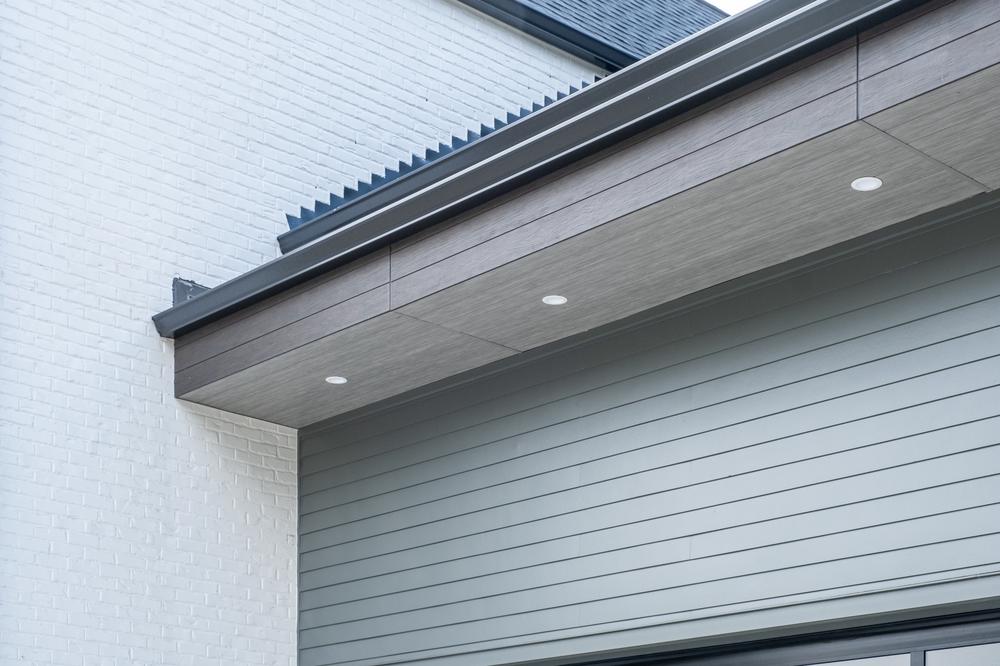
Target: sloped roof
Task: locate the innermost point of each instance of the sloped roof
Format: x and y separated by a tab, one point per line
637	27
609	33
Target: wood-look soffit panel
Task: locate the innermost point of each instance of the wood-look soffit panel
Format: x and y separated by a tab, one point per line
926	28
787	90
286	339
381	357
772	211
958	124
713	161
929	71
792	105
283	309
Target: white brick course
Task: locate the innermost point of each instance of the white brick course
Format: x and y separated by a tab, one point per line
145	139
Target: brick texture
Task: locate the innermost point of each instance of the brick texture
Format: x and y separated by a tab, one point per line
146	139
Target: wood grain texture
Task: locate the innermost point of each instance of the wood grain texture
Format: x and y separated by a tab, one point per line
382	356
790	204
957	124
835	69
927	71
283	340
282	309
701	166
921	31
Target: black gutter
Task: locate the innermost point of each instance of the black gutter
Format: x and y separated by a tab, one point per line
554	32
723	57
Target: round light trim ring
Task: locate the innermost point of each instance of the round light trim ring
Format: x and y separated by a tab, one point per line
866	184
554	299
336	379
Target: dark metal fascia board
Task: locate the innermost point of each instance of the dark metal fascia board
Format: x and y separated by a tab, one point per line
685	74
554	32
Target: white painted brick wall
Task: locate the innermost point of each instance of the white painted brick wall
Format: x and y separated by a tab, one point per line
144	139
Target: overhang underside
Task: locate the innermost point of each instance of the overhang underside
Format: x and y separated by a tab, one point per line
752	183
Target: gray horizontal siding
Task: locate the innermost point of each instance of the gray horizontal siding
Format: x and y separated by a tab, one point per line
835	433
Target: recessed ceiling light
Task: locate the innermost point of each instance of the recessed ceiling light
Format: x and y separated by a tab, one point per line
554	299
336	379
866	184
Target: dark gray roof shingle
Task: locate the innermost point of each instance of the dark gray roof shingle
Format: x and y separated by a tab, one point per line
636	27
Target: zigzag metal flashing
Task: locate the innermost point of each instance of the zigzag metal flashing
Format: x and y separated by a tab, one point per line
346	205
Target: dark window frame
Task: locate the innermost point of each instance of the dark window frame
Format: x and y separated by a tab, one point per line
913	637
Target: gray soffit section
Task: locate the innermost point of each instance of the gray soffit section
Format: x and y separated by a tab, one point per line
968	222
713	62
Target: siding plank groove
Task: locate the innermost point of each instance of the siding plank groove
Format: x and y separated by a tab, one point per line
645	516
551	580
776	414
669	566
375	578
561	514
941	557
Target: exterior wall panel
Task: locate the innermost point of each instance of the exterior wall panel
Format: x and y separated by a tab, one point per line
831	436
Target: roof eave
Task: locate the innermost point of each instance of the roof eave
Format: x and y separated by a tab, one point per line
712	62
558	34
